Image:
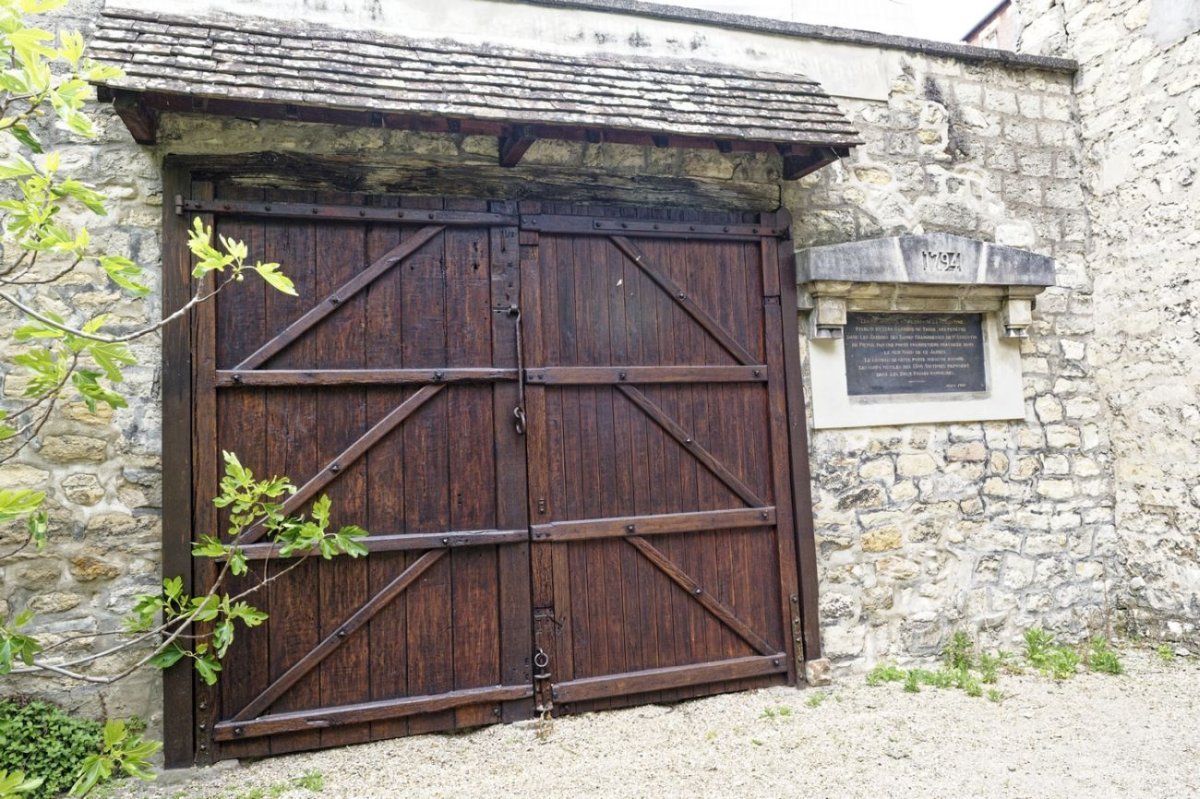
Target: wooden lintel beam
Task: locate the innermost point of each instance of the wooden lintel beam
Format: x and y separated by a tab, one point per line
141	120
514	143
799	163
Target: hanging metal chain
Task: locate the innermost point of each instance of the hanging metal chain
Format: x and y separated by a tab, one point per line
519	411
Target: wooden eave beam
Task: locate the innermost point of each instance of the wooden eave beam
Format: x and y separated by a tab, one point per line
514	143
140	111
141	119
801	161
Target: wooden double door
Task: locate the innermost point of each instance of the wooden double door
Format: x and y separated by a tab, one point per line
568	430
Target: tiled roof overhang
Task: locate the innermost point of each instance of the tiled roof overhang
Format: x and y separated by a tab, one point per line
283	69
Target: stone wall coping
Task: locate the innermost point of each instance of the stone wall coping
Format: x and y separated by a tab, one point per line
940	258
961	52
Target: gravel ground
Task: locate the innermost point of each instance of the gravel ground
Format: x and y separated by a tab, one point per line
1136	735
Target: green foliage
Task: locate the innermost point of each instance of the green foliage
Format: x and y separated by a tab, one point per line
122	753
232	256
314	780
989	668
815	698
912	682
16	645
960	652
1166	653
1038	644
45	743
249	502
885	672
781	711
995	695
16	784
1102	658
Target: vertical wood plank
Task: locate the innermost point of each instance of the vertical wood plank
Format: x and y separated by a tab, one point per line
806	550
291	449
386	465
205	474
511	484
178	700
241	322
427	500
472	463
340	342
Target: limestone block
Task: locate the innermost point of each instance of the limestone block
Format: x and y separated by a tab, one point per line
74	449
54	602
87	568
882	539
915	465
896	569
21	475
83	489
881	469
972	451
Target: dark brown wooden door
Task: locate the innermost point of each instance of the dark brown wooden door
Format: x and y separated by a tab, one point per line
660	495
632	540
389	385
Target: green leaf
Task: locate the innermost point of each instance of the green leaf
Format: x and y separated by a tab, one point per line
124	273
209	547
207	667
114	733
17	168
19	502
96	768
22	134
71	46
275	278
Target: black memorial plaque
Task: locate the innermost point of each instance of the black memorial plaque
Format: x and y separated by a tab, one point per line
914	353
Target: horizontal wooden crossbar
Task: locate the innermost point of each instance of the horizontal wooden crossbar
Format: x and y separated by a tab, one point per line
550	223
659	524
639	682
359	377
411	216
612	375
404	542
380	710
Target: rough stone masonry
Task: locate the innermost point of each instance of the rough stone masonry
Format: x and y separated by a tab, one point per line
1138	95
922	530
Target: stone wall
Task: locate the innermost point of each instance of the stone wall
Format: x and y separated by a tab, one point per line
101	472
921	530
990	527
1138	92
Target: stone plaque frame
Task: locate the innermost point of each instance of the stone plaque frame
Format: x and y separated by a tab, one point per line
934	273
1004	397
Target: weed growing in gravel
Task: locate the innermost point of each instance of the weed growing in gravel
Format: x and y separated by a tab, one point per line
1166	653
781	711
960	652
311	780
884	672
816	698
1102	658
1062	662
994	695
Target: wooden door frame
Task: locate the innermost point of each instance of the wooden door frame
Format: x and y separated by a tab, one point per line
179	739
183	739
